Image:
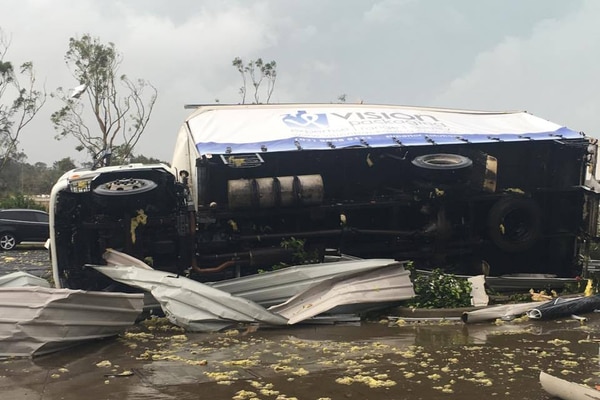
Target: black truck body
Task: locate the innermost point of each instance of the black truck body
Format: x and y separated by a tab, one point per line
253	187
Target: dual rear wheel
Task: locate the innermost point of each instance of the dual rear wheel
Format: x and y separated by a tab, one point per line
514	223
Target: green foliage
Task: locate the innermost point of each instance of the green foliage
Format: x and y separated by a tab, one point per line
580	285
93	63
520	298
18	176
595	251
20	201
440	290
146	160
19	102
6	70
257	70
299	253
21	177
107	110
64	165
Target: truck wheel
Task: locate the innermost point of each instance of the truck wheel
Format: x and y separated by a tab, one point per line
128	186
8	241
442	167
515	224
442	161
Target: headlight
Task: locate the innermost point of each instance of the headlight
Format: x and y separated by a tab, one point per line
80	186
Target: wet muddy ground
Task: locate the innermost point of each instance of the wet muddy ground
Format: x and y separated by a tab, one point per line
30	257
380	359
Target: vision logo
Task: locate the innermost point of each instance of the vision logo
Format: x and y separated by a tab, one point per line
306	121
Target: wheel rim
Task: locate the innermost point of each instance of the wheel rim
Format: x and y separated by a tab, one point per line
517	225
128	186
7	242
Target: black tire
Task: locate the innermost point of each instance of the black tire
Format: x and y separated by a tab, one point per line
515	224
8	241
125	187
442	167
442	161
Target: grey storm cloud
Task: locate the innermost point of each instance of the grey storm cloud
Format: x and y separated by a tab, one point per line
538	55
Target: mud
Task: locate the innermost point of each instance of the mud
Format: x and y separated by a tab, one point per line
29	257
380	359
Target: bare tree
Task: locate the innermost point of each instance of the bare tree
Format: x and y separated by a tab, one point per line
19	102
120	107
257	71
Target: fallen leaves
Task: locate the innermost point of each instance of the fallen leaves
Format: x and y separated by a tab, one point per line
255	366
104	364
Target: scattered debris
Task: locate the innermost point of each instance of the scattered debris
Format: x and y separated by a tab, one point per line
199	307
563	307
503	311
567	390
190	304
21	279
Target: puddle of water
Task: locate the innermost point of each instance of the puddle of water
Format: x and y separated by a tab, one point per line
370	361
427	360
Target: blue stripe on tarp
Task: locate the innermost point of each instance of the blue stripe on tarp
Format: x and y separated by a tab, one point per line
379	140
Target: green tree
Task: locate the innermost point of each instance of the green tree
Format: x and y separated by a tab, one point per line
19	103
119	107
20	178
11	175
63	165
146	160
19	201
256	71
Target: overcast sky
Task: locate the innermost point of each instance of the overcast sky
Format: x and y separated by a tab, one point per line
541	56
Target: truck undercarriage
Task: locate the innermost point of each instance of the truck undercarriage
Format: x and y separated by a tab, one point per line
497	208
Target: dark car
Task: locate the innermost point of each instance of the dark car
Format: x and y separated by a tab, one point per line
22	225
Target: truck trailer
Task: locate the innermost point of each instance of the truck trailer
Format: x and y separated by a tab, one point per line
255	187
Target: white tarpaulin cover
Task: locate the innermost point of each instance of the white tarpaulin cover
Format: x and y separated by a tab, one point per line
260	128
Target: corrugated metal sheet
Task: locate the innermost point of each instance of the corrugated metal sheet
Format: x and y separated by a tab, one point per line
36	320
276	287
320	288
190	304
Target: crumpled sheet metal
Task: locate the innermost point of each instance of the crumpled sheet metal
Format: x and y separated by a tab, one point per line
386	284
200	307
186	301
38	320
287	282
21	279
504	311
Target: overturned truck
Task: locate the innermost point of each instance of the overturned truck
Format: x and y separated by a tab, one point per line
253	187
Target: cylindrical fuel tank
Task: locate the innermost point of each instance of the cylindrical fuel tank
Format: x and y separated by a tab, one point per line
309	189
280	191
